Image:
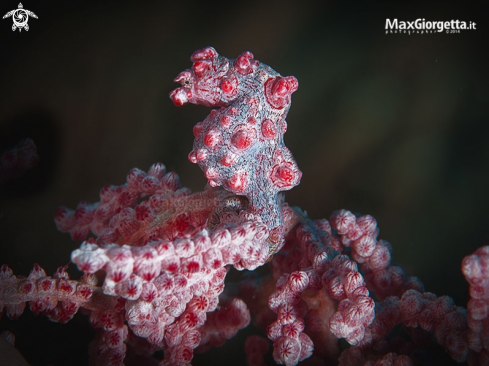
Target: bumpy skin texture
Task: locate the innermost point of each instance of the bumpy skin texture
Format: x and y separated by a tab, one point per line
240	145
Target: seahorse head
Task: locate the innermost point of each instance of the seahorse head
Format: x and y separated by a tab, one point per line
213	80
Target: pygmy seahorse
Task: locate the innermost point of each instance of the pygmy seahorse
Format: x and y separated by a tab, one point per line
240	145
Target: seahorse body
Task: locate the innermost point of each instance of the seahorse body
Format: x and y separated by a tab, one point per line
240	146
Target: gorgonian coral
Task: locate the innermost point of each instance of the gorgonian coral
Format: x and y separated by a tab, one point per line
157	255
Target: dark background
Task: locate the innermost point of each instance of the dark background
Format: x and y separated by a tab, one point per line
393	125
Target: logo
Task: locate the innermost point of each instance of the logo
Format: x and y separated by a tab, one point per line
20	17
421	26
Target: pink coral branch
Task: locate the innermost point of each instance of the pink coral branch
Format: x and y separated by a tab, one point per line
58	297
476	270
